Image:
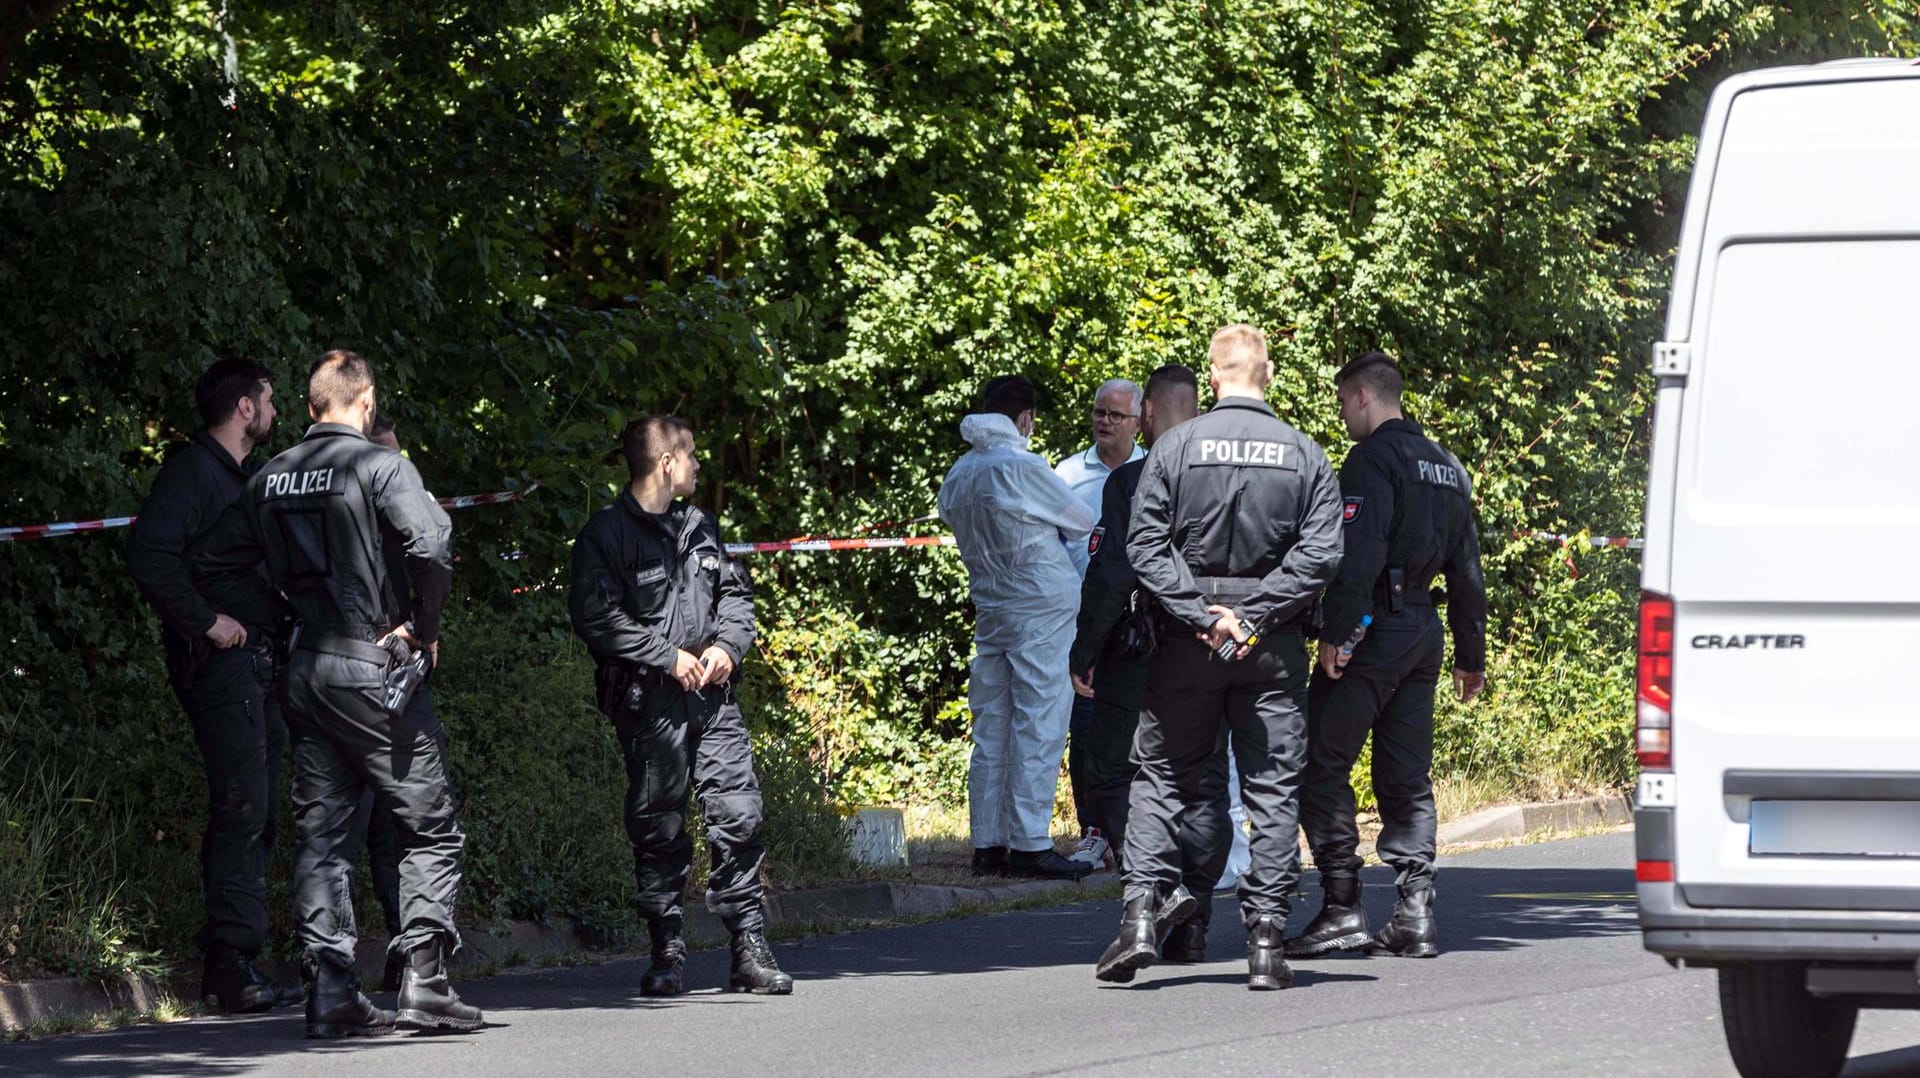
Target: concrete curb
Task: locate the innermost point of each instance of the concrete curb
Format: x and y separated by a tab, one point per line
28	1003
1518	821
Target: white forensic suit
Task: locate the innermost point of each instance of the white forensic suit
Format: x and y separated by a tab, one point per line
1015	522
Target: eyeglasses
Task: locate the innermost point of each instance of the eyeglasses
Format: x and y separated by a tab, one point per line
1101	415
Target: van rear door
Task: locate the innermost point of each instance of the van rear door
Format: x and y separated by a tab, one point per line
1795	540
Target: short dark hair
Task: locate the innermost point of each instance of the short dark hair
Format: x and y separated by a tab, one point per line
217	394
1008	395
1377	372
382	424
647	439
336	379
1170	376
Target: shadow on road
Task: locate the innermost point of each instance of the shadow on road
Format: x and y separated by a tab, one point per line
1480	909
1897	1063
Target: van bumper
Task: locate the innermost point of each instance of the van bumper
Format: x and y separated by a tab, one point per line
1709	935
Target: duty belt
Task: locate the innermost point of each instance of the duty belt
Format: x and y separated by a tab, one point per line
1226	590
335	644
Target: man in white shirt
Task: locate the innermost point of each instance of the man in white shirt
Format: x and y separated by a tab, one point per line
1015	523
1116	434
1116	428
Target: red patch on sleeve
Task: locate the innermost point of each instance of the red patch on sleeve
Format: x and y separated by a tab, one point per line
1350	510
1093	541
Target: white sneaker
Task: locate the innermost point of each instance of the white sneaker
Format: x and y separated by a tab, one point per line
1093	849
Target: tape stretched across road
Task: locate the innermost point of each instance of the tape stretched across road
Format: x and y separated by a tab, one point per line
811	545
55	531
797	546
466	500
1596	541
74	527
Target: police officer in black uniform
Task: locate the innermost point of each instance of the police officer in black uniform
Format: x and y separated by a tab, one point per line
1114	638
1408	518
381	831
668	617
1235	530
219	663
321	516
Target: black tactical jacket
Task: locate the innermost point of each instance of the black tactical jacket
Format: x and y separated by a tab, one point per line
1109	582
644	586
196	484
322	516
1409	517
1236	508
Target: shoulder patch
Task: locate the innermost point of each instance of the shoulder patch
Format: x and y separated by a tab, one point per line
1093	540
1350	509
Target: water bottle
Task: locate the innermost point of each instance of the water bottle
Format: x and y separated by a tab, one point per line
1359	632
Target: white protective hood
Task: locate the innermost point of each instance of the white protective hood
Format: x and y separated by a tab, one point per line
1014	520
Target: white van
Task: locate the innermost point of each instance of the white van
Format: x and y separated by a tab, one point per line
1777	827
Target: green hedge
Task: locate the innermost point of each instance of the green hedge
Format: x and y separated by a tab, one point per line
814	229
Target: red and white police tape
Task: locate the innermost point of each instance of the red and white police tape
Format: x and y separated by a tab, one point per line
810	545
466	500
797	546
73	527
1596	541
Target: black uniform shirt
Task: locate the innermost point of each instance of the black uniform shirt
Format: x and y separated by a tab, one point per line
1409	506
1236	508
195	485
322	516
645	585
1109	582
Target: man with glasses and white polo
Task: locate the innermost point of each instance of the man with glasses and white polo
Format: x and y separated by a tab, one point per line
1116	432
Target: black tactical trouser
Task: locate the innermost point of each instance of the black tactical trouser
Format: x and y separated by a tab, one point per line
1387	689
1203	833
374	827
669	737
242	739
1080	752
344	743
1194	703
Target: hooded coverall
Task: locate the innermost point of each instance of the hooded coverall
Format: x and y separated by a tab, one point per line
1012	518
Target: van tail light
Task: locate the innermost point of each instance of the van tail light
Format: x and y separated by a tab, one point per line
1653	724
1653	871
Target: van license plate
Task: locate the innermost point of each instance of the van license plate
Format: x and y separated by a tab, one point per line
1835	828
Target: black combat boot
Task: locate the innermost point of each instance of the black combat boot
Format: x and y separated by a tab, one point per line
1411	933
1267	970
1187	943
990	861
336	1008
667	976
1133	949
1044	865
230	982
754	969
1341	924
427	999
1175	910
390	976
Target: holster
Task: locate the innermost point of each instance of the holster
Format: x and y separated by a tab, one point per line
1138	632
1315	622
405	675
619	688
184	662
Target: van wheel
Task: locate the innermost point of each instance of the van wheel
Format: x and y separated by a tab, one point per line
1776	1029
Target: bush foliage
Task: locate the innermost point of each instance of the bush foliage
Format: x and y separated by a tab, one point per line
813	229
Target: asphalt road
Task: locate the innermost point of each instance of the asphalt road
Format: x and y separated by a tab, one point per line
1544	974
